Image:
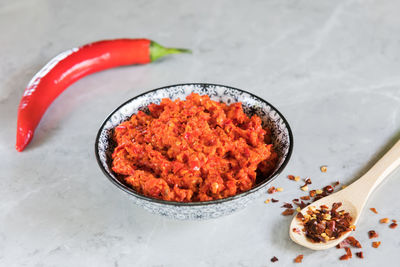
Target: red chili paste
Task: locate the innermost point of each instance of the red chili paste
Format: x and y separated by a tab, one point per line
192	150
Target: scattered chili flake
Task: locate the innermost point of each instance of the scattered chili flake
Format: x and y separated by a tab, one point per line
393	225
308	181
384	220
328	189
354	242
279	189
304	188
287	205
360	255
325	224
376	244
305	198
323	168
274	200
395	221
267	201
301	204
374	210
288	212
335	184
313	193
291	177
372	234
299	258
271	190
344	257
274	259
348	252
343	244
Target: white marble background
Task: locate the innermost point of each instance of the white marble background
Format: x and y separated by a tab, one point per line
331	67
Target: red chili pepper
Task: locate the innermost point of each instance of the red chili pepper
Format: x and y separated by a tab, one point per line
70	66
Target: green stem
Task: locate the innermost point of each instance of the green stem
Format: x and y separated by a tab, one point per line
158	51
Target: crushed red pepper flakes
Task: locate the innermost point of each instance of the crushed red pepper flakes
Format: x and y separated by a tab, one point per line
348	252
374	210
376	244
336	184
384	220
344	257
360	255
274	259
372	234
271	190
354	242
305	198
274	200
287	205
326	224
395	221
323	168
288	212
343	244
393	225
299	258
304	187
291	177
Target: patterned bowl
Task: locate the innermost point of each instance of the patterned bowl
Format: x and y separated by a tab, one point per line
271	117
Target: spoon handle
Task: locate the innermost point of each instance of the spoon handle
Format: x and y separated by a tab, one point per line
370	180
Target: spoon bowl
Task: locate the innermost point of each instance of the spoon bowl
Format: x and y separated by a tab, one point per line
353	199
301	239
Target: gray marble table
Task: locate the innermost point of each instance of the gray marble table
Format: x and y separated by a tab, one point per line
331	67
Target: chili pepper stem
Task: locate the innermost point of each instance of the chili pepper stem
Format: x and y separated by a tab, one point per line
158	51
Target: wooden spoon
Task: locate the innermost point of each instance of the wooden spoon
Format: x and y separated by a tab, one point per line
352	197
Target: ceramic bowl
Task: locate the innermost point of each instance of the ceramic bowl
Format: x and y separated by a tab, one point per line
281	135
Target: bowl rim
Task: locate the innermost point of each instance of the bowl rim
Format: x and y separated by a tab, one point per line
131	191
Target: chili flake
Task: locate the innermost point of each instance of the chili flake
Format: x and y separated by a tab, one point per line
323	168
384	220
360	255
372	234
354	242
274	200
274	259
304	188
299	258
288	212
374	210
393	225
376	244
271	190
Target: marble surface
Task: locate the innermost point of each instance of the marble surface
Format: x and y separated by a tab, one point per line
331	67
